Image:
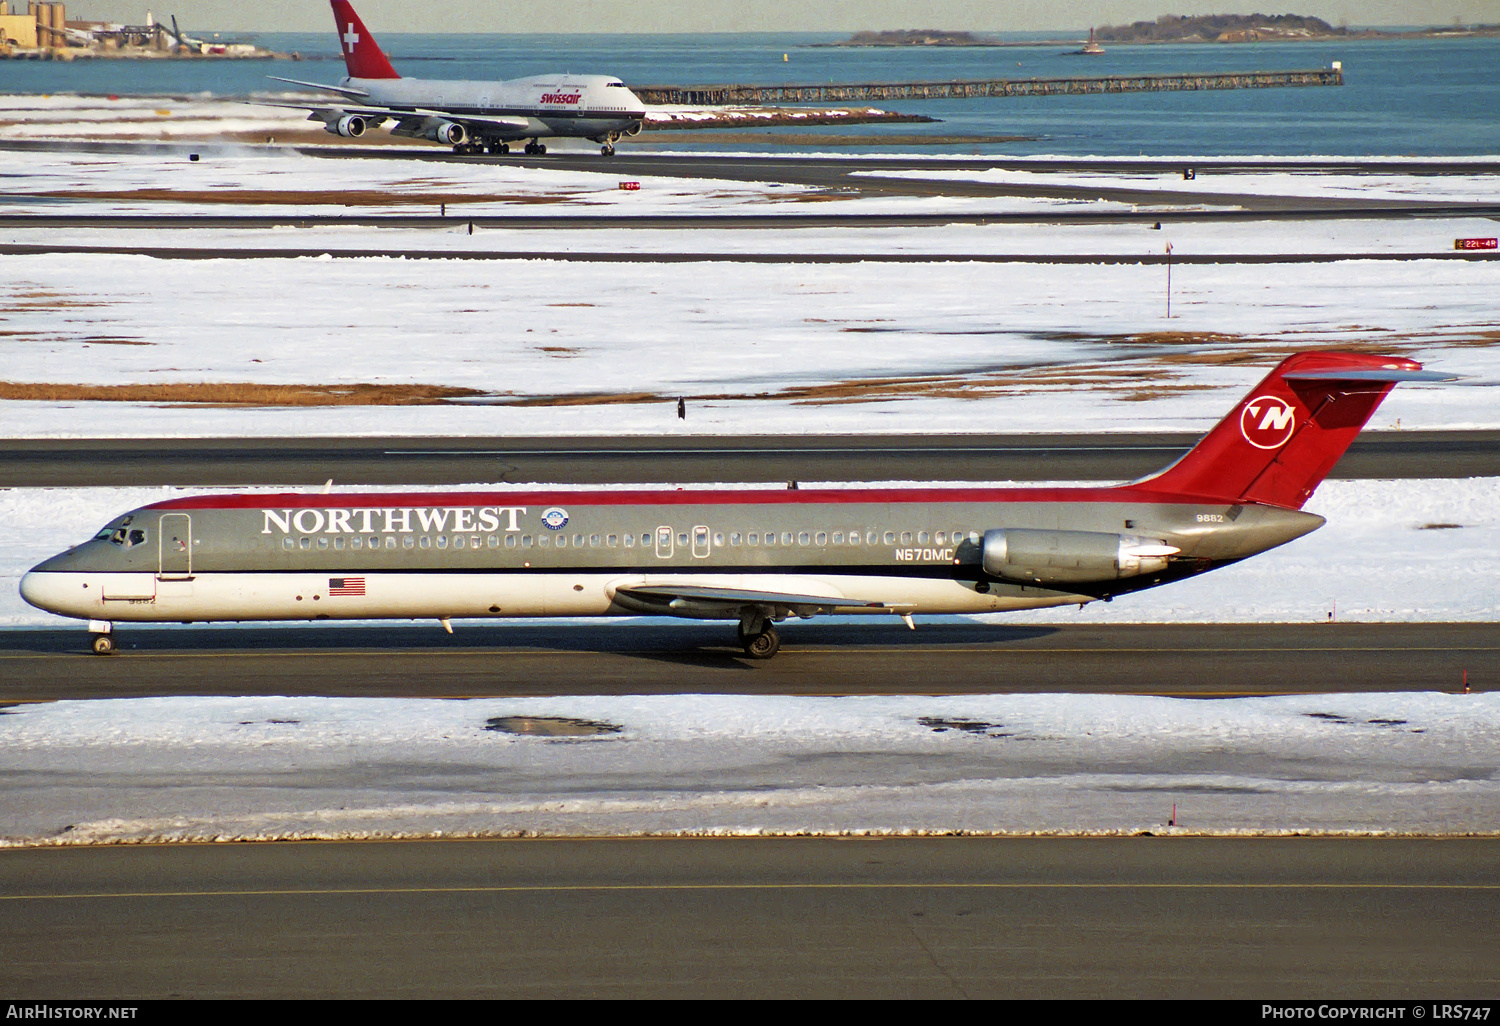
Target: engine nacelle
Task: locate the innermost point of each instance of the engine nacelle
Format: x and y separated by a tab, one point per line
1070	557
350	126
635	128
447	132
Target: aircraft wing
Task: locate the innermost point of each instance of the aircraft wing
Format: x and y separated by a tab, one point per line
408	121
695	594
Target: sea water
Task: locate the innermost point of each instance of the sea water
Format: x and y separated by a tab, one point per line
1400	97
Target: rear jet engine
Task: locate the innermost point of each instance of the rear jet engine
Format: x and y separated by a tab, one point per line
1070	557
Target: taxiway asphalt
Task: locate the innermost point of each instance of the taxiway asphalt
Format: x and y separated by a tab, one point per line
1180	917
816	658
659	459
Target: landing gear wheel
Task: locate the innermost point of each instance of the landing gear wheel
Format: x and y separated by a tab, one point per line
103	644
607	150
499	150
763	645
541	149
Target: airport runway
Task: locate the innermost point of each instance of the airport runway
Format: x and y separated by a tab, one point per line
1141	917
654	459
240	252
817	658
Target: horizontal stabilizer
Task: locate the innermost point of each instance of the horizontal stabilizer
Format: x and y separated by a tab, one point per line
1392	374
342	90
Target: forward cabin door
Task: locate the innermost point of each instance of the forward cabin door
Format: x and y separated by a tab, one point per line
175	547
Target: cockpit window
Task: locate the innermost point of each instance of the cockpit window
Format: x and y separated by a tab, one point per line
614	85
126	538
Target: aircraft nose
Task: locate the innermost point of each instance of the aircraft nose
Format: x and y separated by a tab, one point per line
32	589
46	591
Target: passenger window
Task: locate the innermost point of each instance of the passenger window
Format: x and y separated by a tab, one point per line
734	538
822	538
890	537
458	541
442	541
921	537
614	541
786	537
322	543
510	541
304	544
288	543
390	543
754	539
853	537
426	542
905	537
630	541
871	537
804	539
682	540
562	541
838	537
593	541
939	538
525	541
493	542
578	541
338	544
718	538
407	542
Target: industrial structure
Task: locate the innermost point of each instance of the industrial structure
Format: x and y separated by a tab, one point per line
44	33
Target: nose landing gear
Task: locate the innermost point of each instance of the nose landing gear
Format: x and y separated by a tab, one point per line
104	642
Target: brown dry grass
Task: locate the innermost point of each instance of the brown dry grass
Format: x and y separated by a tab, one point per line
239	394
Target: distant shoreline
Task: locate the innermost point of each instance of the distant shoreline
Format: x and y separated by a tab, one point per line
938	40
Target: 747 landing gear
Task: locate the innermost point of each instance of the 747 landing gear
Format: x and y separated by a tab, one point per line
758	637
535	148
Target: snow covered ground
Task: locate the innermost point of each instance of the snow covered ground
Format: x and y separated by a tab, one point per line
192	769
756	347
1391	551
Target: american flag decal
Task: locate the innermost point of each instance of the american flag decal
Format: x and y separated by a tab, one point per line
346	586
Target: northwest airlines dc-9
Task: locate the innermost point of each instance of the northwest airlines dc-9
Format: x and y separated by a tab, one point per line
750	556
472	117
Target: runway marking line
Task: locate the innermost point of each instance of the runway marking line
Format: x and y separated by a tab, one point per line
872	886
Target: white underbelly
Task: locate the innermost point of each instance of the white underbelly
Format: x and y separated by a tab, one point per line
268	596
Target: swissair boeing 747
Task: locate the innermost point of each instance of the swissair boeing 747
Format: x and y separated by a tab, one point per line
472	117
753	557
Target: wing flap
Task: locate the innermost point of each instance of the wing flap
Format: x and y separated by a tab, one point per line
696	593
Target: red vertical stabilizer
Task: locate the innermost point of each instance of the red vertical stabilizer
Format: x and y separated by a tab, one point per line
362	55
1283	438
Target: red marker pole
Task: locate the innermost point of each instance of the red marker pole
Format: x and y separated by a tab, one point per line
1169	281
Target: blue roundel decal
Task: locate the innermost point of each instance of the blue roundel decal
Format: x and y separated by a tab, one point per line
555	519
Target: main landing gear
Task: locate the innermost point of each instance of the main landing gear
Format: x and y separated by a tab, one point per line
535	149
758	637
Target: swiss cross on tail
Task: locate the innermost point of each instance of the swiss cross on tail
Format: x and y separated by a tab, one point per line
362	56
1286	435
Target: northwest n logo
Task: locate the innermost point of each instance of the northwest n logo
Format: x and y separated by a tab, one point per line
1267	422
